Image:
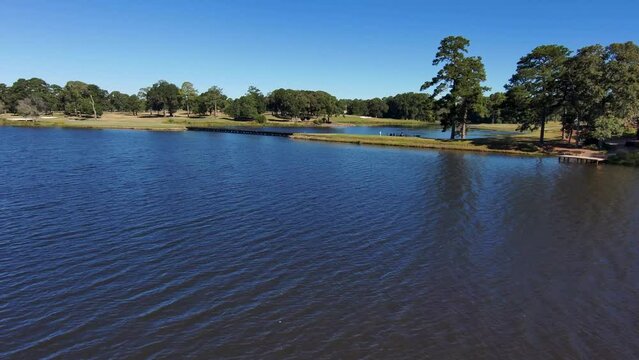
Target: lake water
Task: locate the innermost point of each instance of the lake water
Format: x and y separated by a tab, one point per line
124	244
431	132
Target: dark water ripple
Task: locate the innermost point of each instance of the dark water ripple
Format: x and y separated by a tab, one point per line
118	244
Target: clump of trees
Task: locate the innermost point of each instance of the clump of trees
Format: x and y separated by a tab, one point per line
591	92
303	104
410	105
162	96
76	98
31	107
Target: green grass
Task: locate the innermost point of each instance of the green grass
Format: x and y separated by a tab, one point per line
272	121
552	133
351	120
211	121
493	145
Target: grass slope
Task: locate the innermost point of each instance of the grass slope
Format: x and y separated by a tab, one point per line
493	145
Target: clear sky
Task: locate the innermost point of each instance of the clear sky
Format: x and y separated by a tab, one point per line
349	48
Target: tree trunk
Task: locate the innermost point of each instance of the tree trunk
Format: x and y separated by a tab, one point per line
215	108
463	129
570	136
188	110
95	114
578	137
452	131
543	130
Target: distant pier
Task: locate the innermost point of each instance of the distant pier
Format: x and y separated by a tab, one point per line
580	159
241	131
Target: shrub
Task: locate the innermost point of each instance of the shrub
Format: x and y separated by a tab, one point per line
625	158
260	119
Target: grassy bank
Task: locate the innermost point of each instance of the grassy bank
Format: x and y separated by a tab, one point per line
347	120
552	133
180	121
109	121
493	145
350	120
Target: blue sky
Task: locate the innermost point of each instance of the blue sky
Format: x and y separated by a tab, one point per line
349	48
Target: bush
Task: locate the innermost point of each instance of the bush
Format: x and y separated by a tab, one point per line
261	119
607	127
625	158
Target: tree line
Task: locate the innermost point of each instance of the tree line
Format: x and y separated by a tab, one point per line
594	92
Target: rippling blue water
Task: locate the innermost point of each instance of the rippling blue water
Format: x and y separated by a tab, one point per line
143	244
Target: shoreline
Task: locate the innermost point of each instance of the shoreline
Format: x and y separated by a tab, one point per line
517	145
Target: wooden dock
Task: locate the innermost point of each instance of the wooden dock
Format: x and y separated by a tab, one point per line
241	131
580	159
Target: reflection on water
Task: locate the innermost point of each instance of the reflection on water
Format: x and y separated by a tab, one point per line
140	244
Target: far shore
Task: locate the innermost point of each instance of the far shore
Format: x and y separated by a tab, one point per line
517	144
145	121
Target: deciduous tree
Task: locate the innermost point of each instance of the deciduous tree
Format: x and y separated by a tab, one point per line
189	94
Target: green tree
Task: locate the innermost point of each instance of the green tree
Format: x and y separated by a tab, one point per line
495	106
377	107
4	93
56	95
117	101
460	80
214	99
606	127
538	78
189	94
622	72
163	96
133	104
286	103
258	98
243	108
411	106
199	106
584	88
33	89
328	105
357	107
81	99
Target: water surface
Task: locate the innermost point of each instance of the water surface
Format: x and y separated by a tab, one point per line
125	244
431	132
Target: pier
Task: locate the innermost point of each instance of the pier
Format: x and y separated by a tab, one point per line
580	159
240	131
